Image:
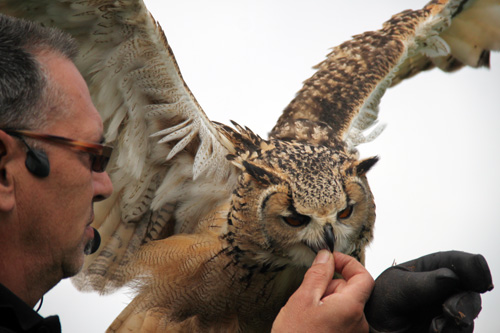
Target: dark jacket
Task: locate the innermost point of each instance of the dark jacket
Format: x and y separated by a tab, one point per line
16	316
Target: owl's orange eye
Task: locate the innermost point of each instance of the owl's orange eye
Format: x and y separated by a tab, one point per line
346	213
296	220
291	221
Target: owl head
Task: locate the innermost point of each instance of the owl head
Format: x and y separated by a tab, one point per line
295	198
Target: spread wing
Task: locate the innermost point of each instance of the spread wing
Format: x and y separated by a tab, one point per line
169	164
342	97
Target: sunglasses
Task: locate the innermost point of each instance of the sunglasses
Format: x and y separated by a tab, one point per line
99	154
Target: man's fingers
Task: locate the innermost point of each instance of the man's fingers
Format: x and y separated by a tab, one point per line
356	279
347	266
335	285
308	309
317	277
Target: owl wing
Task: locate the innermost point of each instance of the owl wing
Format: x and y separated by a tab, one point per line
169	166
340	101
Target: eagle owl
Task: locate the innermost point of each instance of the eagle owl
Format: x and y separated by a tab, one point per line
214	225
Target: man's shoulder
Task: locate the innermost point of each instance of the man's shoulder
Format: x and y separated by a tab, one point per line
16	316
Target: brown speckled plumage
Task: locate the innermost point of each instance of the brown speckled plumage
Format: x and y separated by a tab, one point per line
215	226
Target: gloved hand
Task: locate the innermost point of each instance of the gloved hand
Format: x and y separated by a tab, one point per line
439	292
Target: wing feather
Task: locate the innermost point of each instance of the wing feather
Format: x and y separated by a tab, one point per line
345	92
472	33
164	143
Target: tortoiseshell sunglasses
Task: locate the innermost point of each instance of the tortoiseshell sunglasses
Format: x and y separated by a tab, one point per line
99	154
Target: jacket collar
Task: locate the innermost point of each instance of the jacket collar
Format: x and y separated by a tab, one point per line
25	316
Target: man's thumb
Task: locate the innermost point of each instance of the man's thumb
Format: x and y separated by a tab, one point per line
319	275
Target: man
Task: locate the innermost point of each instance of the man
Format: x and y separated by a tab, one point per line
48	184
45	215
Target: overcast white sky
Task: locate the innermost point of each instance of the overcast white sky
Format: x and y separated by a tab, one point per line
437	185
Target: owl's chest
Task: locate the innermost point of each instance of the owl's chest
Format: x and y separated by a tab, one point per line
250	294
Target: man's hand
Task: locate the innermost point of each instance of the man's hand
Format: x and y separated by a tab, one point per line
435	293
325	305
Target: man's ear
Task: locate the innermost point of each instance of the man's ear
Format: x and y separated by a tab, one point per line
7	154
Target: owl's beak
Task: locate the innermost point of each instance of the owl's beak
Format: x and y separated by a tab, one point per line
327	243
329	237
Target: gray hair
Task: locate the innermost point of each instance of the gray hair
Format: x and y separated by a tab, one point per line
26	92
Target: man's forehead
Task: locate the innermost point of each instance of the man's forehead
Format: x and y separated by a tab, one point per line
79	117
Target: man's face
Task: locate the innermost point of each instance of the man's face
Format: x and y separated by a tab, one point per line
56	211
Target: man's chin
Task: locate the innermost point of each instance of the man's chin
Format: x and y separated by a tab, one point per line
74	267
74	261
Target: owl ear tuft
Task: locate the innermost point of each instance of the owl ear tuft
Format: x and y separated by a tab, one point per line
259	174
365	165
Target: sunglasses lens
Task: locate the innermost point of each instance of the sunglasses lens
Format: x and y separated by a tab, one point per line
99	163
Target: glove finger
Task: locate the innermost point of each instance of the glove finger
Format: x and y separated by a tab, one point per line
420	289
401	298
472	269
442	324
463	307
438	324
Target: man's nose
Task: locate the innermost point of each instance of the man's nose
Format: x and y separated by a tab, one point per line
103	187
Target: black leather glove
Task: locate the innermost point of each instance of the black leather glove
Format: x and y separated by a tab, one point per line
435	293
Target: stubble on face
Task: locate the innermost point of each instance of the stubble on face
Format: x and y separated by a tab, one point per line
66	211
